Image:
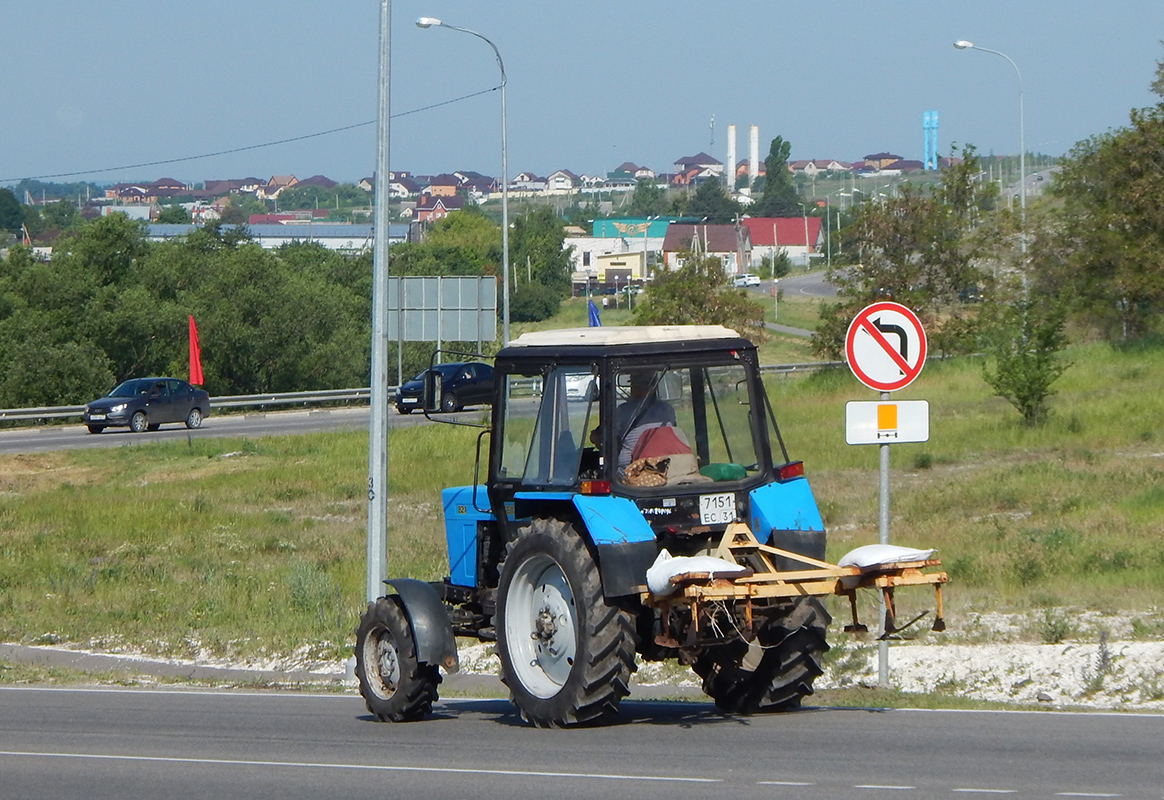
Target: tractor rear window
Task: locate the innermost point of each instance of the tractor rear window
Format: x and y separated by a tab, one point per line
699	417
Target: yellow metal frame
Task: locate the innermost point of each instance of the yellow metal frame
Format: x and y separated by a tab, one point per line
763	580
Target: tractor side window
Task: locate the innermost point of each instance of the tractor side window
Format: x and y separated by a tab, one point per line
544	431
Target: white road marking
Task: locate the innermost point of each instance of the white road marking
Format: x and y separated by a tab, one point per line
878	786
985	791
375	767
1085	794
783	783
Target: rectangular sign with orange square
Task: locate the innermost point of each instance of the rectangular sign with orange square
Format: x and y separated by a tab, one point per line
887	422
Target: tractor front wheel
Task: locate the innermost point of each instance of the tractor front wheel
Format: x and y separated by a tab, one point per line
774	670
394	685
566	654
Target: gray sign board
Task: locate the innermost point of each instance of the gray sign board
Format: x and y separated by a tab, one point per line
442	309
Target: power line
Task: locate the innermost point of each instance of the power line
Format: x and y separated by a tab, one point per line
248	147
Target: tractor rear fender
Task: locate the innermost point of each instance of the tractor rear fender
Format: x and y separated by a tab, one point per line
625	542
432	630
619	533
785	515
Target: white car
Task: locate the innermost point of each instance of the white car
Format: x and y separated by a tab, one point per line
746	280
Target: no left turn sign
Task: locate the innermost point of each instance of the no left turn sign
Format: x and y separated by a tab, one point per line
886	346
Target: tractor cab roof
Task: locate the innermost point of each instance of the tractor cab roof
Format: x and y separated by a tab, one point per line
628	340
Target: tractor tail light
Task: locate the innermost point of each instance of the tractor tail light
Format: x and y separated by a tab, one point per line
787	472
595	487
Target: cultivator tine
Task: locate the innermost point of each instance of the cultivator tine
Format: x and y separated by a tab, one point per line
856	626
890	626
939	620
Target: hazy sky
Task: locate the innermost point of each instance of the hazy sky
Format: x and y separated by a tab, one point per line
93	84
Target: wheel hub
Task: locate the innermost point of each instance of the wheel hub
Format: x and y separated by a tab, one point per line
545	625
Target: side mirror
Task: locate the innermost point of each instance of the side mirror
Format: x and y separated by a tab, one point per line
433	389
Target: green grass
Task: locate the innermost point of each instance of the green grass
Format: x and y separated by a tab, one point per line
247	547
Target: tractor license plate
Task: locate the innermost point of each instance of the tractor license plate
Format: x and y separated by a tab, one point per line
717	509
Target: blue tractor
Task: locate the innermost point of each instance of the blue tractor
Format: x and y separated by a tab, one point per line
614	453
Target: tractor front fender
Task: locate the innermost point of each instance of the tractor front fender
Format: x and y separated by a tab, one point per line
432	630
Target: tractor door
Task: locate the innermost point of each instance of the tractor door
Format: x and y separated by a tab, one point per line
542	432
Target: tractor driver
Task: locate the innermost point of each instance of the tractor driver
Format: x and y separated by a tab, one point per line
643	409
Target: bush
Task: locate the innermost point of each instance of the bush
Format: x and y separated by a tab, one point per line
533	302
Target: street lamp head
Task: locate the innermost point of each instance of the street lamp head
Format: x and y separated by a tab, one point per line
961	44
427	22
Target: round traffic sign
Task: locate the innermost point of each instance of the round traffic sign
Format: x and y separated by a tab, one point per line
886	346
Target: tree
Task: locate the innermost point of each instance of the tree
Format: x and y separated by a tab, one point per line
779	197
173	215
647	199
342	195
1024	339
536	250
711	203
60	215
694	294
920	249
11	211
1111	228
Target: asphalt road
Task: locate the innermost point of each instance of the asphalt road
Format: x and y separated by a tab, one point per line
43	438
812	284
128	744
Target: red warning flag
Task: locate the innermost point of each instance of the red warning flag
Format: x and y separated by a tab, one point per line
195	355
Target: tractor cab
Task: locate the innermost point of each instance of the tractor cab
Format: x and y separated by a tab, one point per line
674	419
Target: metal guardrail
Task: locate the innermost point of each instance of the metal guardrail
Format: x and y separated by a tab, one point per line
226	401
321	396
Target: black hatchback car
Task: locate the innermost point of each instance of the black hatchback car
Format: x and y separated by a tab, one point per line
144	404
463	383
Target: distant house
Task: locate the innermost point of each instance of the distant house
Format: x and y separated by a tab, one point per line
562	181
630	171
693	176
367	184
701	161
274	186
402	187
880	160
319	181
443	185
797	237
611	237
147	192
527	182
217	188
433	207
731	244
817	165
903	165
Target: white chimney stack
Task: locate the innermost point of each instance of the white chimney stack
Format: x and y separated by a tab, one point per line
730	170
753	155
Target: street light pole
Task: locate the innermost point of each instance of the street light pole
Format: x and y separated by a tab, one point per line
428	22
964	45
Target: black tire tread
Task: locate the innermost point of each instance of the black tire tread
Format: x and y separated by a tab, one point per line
606	645
794	645
418	682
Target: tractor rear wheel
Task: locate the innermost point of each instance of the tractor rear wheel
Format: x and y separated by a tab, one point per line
394	685
566	654
776	669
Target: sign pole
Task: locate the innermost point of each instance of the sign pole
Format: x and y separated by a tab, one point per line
883	538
